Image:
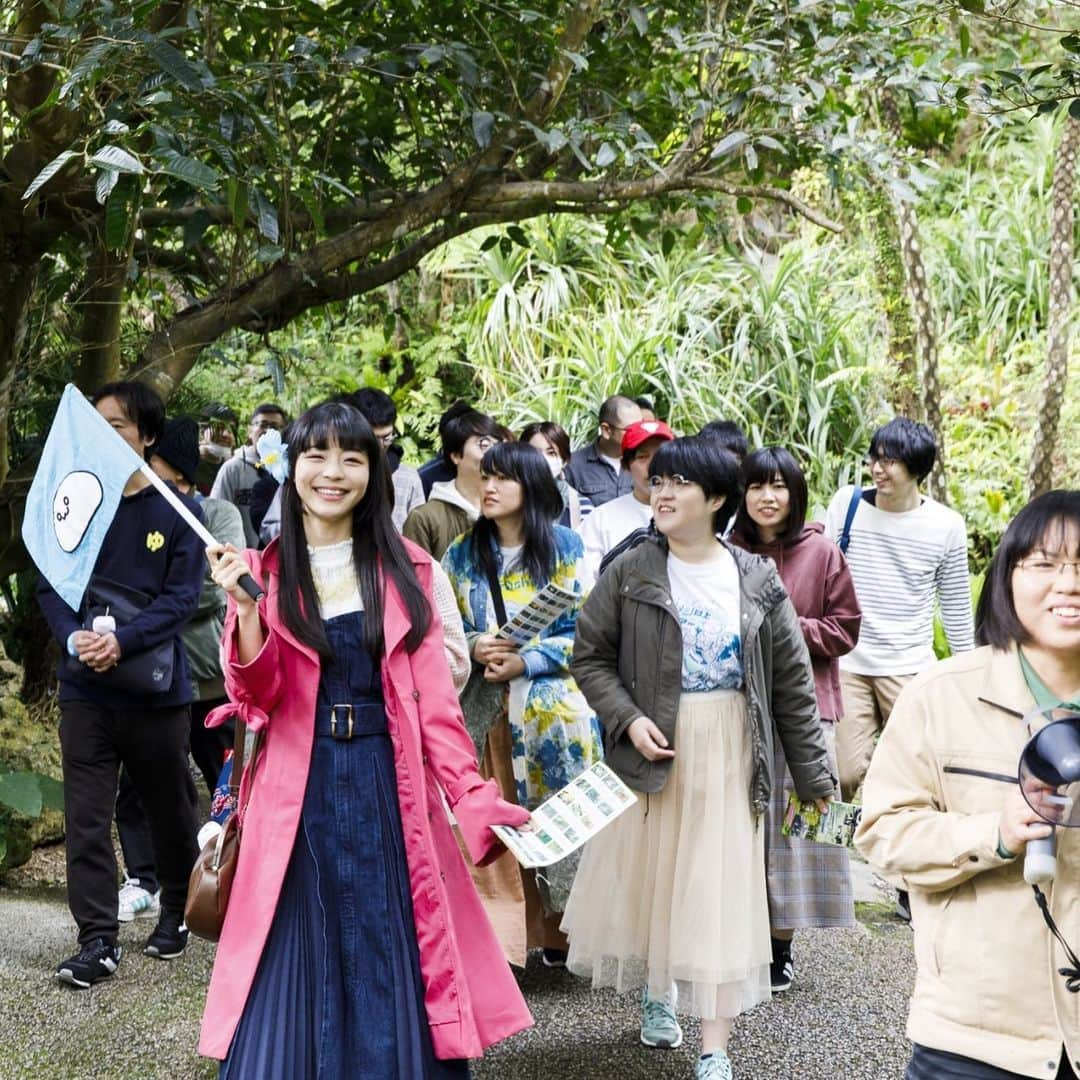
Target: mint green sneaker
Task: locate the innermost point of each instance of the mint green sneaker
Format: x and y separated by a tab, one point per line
714	1066
659	1027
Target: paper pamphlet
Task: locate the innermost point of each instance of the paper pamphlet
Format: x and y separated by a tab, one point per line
538	614
571	816
836	826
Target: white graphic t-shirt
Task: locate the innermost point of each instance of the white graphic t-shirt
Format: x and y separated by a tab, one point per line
706	598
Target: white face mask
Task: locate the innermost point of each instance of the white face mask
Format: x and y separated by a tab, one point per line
555	464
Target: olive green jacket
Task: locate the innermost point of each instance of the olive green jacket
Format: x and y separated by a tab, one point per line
628	663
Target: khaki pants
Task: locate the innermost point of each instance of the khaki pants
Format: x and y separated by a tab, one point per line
868	703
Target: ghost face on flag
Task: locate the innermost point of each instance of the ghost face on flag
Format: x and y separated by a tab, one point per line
74	495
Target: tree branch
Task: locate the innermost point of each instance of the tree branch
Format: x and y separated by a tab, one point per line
586	193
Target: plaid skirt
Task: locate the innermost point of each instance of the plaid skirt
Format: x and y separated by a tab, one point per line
809	884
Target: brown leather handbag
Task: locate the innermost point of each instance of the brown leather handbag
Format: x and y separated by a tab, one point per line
212	875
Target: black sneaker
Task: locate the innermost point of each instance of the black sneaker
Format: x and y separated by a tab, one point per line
782	968
169	938
781	974
96	960
554	958
903	905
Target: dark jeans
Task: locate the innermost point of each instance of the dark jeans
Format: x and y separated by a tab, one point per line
208	746
152	745
927	1064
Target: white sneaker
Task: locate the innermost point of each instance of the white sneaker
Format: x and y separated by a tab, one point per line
135	902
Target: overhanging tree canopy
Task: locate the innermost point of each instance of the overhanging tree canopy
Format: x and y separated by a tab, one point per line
261	160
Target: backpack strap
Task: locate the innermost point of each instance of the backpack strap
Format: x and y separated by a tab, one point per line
845	534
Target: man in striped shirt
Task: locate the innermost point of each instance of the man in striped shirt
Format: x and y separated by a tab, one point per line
905	551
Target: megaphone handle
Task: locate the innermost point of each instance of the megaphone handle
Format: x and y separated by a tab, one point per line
1040	859
248	584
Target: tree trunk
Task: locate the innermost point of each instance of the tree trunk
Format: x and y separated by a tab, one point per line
102	303
1041	468
16	287
926	354
902	372
925	357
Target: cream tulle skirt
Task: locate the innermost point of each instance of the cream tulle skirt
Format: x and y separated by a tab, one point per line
673	891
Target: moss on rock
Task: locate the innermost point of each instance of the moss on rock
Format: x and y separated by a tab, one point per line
29	740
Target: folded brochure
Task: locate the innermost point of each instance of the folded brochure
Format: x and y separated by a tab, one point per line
538	614
836	826
571	816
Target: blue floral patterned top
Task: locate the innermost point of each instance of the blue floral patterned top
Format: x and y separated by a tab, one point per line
554	734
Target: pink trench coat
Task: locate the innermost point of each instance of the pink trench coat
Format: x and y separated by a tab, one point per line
470	994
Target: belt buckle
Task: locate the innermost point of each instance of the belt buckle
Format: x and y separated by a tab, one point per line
347	720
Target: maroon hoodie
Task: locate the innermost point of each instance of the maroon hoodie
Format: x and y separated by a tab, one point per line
816	576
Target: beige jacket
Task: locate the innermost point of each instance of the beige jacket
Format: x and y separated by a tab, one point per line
987	985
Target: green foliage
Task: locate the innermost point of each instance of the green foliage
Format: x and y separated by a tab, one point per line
779	344
26	793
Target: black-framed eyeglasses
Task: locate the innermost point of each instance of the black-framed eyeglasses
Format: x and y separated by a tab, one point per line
677	482
876	459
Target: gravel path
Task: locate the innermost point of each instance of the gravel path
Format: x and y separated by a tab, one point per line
843	1018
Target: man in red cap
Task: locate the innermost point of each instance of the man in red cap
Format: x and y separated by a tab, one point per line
611	523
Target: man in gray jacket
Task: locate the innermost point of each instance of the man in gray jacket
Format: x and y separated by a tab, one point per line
596	470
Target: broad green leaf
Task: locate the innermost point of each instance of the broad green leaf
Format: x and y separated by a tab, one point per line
640	19
49	172
195	226
605	155
482	124
187	169
176	65
117	159
1074	108
52	792
266	215
729	142
120	213
22	792
106	181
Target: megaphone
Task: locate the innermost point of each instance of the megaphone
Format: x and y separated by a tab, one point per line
1049	776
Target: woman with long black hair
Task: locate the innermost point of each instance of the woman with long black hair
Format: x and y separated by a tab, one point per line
354	943
809	884
532	728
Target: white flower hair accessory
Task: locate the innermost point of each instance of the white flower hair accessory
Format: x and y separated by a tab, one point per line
273	455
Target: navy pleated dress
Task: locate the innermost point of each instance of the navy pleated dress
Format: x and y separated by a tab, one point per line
338	993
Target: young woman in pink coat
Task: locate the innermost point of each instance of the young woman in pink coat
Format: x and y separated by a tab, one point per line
354	944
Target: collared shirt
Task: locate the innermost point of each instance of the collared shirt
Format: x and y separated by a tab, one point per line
1044	697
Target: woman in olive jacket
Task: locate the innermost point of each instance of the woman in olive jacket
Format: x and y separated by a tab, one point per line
691	654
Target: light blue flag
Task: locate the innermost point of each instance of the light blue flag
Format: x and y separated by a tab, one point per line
74	496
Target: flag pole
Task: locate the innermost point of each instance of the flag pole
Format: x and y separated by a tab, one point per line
247	582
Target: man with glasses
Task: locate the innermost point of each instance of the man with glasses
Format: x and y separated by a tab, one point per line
905	551
596	470
454	505
238	475
608	525
381	413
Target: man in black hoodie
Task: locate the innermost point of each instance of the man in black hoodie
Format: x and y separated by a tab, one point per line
149	549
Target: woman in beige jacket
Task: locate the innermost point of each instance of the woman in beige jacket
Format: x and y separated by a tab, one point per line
941	820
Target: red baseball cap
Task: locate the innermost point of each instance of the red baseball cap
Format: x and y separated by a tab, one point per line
642	431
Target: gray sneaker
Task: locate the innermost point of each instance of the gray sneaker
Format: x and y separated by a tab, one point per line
659	1027
714	1066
